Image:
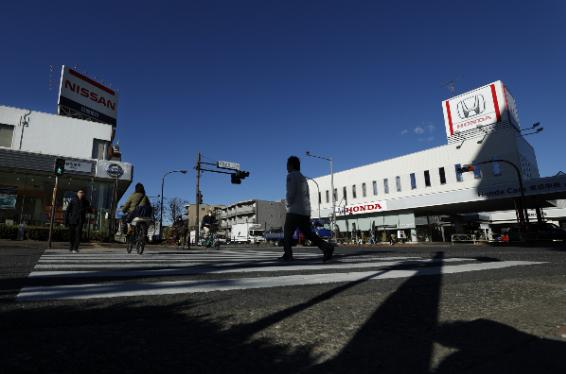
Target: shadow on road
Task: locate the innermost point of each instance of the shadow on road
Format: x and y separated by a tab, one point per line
131	337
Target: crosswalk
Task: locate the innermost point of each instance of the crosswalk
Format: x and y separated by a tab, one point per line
106	273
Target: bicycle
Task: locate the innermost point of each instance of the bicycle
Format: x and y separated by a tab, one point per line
212	239
138	238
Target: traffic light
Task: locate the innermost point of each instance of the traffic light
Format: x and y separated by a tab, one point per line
200	197
59	166
237	177
466	168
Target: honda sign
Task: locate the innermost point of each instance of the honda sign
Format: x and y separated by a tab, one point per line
483	106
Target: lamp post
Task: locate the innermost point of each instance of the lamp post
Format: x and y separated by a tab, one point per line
161	210
329	159
319	196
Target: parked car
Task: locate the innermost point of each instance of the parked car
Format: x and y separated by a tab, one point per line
535	232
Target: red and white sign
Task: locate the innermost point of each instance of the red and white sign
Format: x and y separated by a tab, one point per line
87	96
365	208
480	107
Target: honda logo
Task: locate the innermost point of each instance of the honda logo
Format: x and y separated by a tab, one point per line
471	106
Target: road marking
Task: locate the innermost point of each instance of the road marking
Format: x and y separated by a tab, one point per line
277	266
123	289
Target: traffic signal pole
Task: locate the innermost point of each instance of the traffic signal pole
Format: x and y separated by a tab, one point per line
52	218
197	202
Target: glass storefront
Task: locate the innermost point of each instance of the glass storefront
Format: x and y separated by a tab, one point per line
25	197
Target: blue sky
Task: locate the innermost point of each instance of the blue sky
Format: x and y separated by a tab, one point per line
256	81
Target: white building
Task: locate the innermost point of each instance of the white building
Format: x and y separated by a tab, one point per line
423	194
31	141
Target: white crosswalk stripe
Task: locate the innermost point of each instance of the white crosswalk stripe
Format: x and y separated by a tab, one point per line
113	273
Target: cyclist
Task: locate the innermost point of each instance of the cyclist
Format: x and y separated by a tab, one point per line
208	225
137	205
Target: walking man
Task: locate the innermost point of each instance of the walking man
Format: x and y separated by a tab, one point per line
299	212
75	217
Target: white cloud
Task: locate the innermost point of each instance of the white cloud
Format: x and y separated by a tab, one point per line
404	132
428	139
430	127
419	130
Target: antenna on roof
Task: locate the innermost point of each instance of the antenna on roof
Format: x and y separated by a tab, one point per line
451	85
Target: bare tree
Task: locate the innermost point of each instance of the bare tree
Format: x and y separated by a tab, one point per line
176	206
156	205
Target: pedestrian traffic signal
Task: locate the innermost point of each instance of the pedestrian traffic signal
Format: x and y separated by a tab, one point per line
59	166
237	177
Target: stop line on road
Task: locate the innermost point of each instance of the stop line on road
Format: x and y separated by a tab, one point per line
82	276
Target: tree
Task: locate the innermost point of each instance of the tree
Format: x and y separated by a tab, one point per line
156	204
176	207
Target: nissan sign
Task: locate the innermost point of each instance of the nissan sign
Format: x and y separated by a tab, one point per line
84	95
114	170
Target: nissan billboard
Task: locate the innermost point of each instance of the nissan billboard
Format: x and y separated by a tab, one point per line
87	96
483	106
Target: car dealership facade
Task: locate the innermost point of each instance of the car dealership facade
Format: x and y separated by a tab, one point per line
425	195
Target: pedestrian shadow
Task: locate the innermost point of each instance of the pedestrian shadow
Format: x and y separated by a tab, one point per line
399	336
486	346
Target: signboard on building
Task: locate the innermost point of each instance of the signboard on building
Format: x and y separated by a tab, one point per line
483	106
365	208
81	96
113	170
78	166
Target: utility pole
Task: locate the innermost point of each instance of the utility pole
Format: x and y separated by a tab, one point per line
197	201
52	218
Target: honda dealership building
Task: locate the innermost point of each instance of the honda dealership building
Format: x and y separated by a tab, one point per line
424	195
81	134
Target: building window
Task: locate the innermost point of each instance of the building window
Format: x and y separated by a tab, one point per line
364	191
6	133
345	193
413	181
335	194
398	183
427	178
442	175
477	172
354	196
319	198
100	149
374	188
459	176
327	196
386	185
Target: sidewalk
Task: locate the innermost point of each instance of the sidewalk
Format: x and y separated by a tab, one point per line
37	244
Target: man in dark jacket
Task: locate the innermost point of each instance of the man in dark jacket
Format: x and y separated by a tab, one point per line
75	217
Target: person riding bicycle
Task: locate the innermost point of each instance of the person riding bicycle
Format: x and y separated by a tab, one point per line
208	224
137	205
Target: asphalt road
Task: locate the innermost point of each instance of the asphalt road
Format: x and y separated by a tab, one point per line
411	309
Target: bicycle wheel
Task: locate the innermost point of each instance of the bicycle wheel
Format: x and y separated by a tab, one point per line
140	238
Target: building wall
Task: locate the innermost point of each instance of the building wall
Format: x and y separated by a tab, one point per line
269	214
499	144
53	134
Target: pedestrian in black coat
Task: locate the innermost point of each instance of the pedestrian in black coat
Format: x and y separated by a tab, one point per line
75	217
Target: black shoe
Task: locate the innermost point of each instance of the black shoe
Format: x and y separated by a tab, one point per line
328	253
286	257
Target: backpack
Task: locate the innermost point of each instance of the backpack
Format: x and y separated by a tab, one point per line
145	210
